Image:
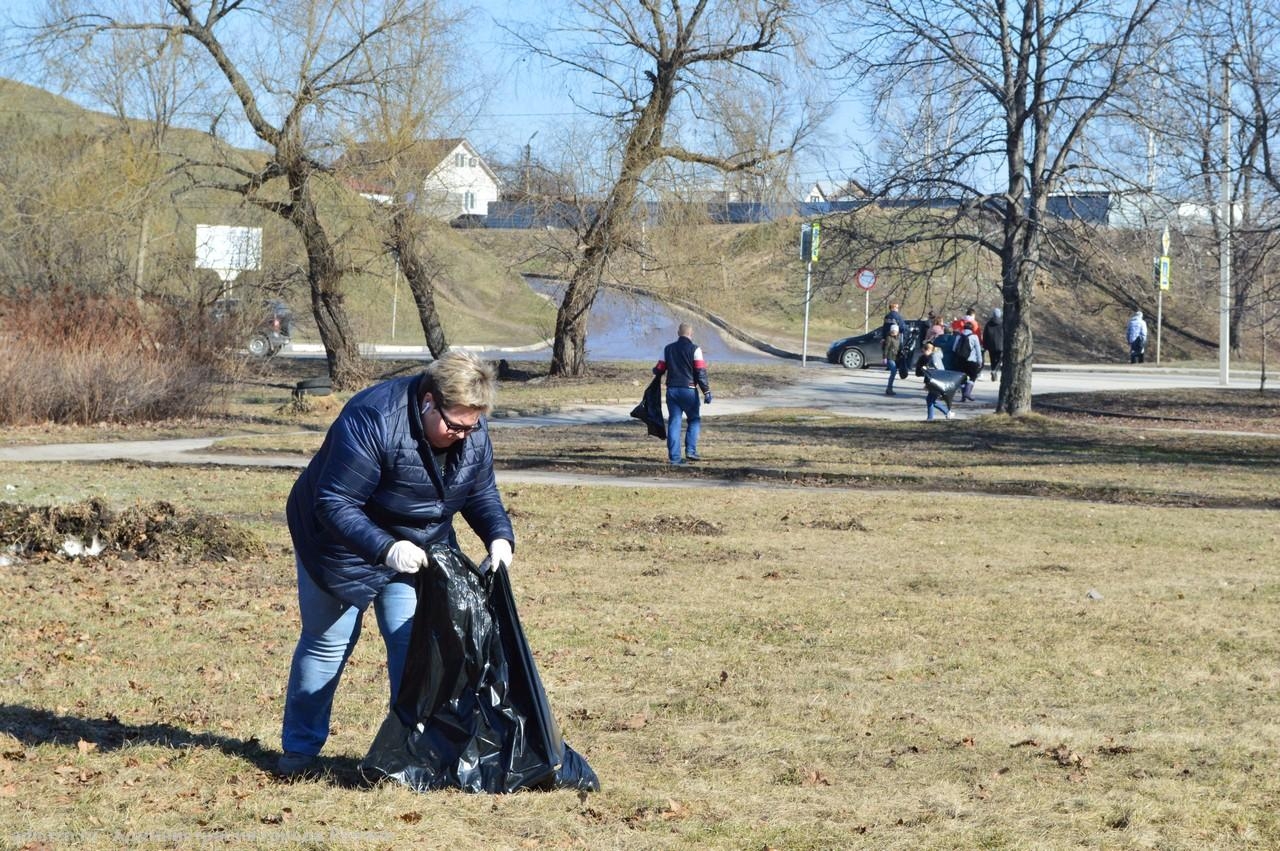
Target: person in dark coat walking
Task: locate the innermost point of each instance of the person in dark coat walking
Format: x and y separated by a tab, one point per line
890	347
993	341
402	458
686	371
894	317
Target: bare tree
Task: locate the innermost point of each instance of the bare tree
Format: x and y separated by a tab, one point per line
390	143
1254	60
655	61
146	81
1207	113
1013	89
291	71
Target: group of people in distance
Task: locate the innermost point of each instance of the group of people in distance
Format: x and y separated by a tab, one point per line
964	346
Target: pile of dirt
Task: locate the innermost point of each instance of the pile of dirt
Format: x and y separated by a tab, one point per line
153	531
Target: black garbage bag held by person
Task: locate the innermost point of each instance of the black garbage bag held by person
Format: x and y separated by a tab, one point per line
472	712
945	381
649	411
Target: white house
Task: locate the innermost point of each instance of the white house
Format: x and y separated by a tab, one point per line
828	190
456	179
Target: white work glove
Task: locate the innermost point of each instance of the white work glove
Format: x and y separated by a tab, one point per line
500	553
406	557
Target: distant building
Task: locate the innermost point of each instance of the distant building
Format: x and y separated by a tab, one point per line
443	178
1088	205
827	191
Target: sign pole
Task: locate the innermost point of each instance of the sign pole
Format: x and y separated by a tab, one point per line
395	296
808	286
1162	284
1159	322
865	279
810	236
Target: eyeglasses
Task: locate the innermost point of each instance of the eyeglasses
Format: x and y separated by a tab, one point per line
460	429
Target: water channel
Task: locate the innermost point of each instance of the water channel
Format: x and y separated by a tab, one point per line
623	326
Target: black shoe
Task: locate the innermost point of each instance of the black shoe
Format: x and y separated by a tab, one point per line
693	456
293	765
890	393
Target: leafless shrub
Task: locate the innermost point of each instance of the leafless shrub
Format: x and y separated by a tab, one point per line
72	358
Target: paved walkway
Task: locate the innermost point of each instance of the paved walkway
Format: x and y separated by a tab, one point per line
825	388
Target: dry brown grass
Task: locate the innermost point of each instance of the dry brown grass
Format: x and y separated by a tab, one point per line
800	676
1072	653
746	667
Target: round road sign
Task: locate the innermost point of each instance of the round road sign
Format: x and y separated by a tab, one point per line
865	279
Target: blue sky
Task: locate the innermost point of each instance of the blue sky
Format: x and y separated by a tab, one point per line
531	97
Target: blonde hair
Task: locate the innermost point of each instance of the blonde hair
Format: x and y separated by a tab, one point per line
460	378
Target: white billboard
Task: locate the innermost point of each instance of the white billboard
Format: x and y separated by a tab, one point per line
228	250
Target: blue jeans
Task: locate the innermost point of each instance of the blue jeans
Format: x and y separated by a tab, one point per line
893	373
683	402
931	403
330	629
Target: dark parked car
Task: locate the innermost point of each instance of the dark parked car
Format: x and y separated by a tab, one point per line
271	331
468	220
861	351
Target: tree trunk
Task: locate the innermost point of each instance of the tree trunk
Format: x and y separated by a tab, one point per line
420	272
346	367
1015	374
1019	260
140	268
569	352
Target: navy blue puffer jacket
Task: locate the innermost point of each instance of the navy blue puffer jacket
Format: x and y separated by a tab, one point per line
375	481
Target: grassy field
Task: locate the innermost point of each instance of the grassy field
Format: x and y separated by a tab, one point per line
838	634
745	668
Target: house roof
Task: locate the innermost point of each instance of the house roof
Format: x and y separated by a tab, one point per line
378	167
831	190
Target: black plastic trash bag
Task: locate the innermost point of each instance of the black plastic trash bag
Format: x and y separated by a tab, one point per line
945	381
472	712
649	411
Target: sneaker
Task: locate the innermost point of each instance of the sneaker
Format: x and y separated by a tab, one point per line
693	456
679	462
950	415
296	765
890	393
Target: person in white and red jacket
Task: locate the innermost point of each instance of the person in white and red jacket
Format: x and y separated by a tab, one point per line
686	370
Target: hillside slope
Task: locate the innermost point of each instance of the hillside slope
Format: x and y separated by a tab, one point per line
100	194
749	274
752	276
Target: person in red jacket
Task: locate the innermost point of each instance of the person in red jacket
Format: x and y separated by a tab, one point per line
686	370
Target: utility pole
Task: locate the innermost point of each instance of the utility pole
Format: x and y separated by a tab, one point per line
528	163
1224	240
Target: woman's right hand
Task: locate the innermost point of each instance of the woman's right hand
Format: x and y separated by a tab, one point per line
406	557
